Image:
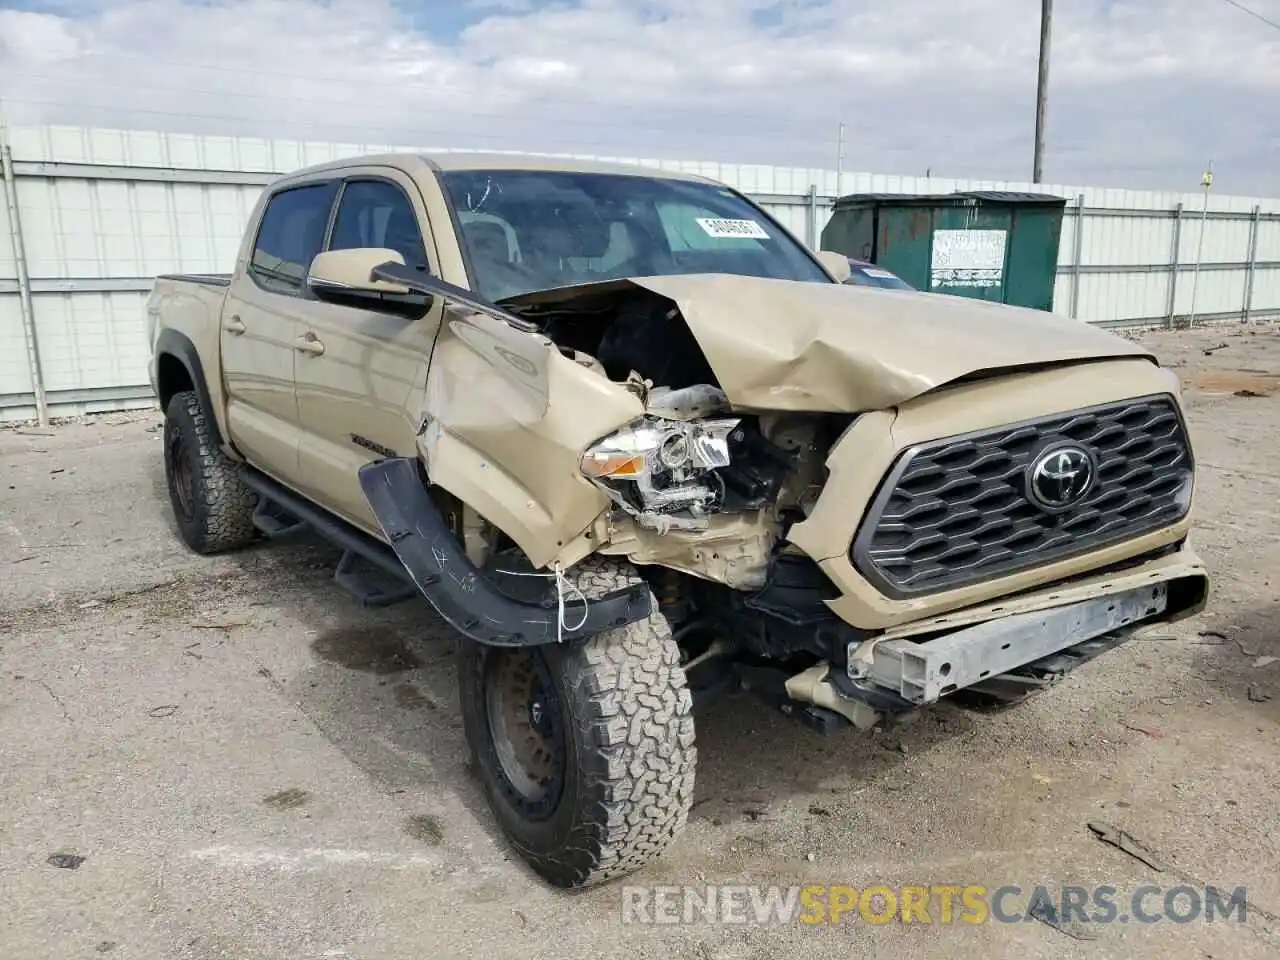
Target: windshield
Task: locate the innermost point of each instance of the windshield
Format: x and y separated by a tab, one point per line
527	230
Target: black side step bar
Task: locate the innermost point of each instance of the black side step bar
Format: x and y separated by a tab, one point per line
462	594
300	514
364	587
273	523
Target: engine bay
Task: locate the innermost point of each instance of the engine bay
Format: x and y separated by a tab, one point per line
693	456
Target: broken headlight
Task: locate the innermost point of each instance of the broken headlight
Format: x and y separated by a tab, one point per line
662	472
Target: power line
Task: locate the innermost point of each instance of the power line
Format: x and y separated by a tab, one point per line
1254	13
407	84
397	132
755	134
400	133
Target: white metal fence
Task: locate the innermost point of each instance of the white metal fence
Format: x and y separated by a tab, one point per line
91	215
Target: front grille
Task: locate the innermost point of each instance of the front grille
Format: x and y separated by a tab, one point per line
956	511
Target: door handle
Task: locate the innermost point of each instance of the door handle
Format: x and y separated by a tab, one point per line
234	325
309	344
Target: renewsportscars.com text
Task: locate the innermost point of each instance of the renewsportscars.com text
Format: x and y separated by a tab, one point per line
944	904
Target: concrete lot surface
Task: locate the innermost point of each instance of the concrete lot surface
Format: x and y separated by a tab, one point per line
254	767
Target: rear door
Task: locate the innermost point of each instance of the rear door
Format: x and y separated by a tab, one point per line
262	322
361	394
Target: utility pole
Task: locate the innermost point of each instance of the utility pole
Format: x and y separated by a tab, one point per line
840	160
1042	88
1206	181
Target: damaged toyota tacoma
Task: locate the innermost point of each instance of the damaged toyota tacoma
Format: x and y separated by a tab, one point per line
638	445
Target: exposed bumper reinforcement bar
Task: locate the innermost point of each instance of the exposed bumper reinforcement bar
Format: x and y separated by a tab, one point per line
924	672
461	593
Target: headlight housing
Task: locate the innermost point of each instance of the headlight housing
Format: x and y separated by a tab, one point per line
662	472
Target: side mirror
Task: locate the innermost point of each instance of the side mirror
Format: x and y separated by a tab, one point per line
837	265
348	273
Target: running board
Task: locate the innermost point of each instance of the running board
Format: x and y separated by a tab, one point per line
274	522
396	585
366	588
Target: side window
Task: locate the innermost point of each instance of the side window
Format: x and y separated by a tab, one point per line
374	213
290	236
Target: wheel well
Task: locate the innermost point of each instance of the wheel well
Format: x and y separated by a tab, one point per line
172	376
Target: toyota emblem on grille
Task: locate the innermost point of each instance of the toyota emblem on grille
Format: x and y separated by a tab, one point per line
1060	477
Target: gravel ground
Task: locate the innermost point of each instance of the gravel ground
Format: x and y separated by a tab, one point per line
254	767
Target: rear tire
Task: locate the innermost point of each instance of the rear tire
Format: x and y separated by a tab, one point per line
585	750
212	507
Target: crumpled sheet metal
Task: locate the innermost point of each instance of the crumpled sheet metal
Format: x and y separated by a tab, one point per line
791	346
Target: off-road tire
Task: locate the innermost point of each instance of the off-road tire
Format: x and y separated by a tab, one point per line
212	507
629	755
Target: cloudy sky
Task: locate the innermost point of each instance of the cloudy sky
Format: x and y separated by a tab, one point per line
1142	92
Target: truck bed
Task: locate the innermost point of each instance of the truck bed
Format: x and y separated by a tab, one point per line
191	304
206	279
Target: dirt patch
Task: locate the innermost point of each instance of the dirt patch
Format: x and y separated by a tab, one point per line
289	799
410	697
370	649
426	828
1239	382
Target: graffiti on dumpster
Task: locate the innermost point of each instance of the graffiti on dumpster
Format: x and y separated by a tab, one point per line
967	258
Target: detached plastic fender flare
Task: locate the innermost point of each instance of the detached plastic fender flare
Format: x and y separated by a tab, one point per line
459	591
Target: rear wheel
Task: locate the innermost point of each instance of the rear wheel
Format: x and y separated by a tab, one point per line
213	508
585	750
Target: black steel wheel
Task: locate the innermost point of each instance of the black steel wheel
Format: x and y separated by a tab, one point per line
181	480
526	727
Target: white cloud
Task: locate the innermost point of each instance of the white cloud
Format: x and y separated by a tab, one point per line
1142	92
35	37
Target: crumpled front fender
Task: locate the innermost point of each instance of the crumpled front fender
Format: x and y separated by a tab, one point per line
460	593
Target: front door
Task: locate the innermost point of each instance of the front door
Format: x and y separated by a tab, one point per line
261	322
362	389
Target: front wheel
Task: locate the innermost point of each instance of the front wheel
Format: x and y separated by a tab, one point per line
585	749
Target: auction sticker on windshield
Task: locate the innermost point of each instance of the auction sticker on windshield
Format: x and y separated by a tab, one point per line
714	227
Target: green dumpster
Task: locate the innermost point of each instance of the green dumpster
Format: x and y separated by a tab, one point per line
989	245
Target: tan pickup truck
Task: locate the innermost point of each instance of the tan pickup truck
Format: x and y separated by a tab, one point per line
638	445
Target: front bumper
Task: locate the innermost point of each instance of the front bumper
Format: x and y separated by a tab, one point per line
1004	656
1008	646
922	673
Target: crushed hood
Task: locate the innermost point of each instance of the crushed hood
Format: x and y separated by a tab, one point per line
837	348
